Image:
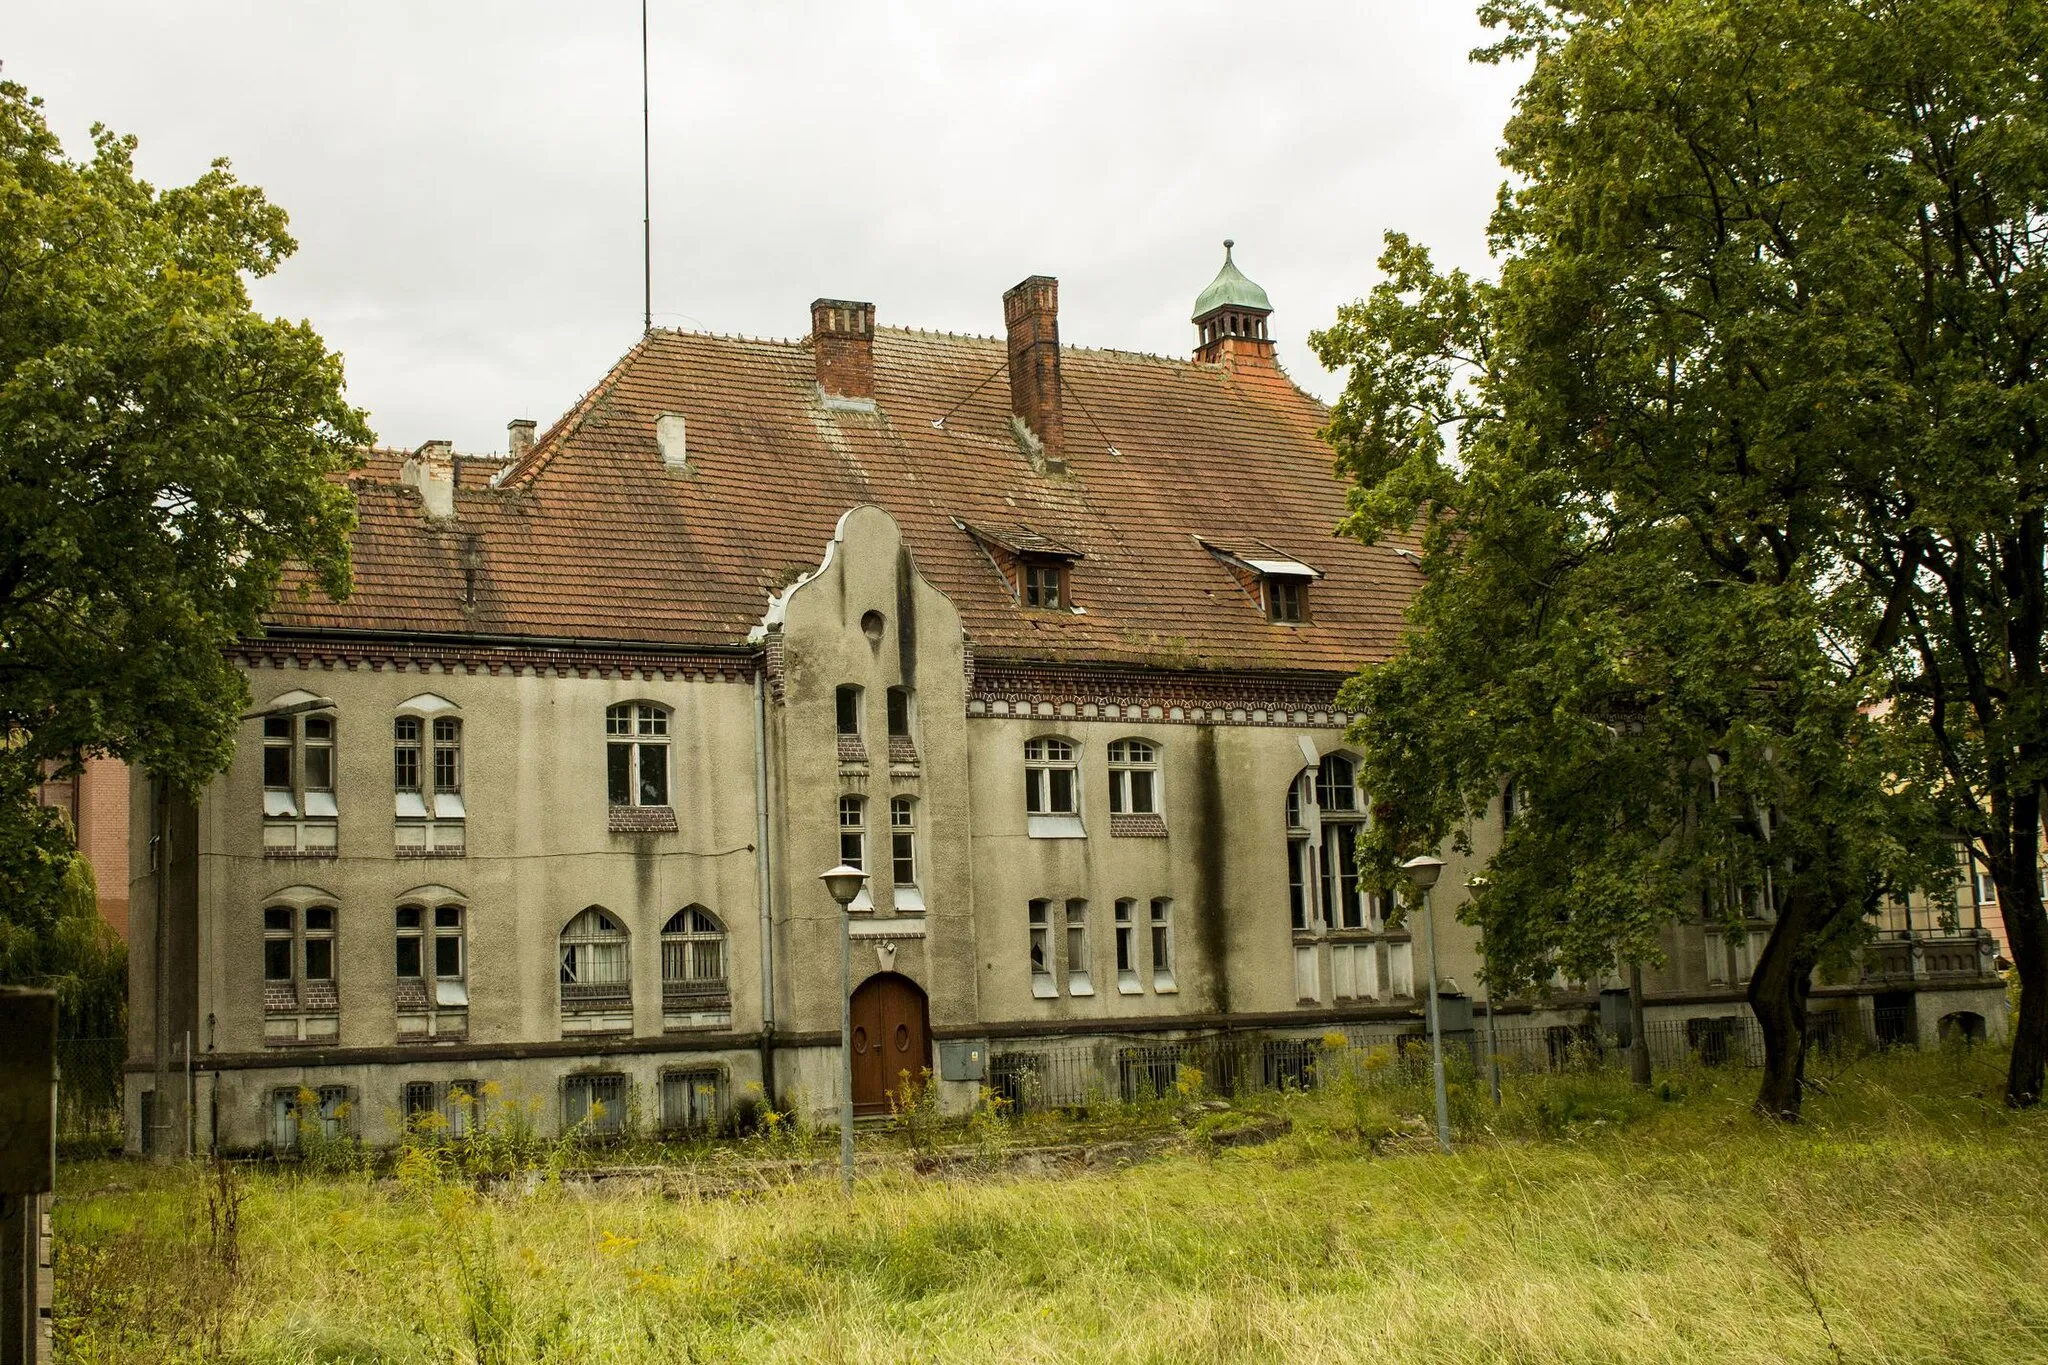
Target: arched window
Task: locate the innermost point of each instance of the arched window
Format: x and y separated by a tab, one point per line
694	991
1329	911
1052	788
426	778
596	975
432	967
301	999
636	754
1133	777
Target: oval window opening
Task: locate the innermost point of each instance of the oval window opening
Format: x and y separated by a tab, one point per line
871	626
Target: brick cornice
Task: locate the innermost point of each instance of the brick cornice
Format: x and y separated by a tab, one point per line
440	654
1002	688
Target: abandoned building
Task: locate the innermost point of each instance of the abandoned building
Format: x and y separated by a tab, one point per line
1046	639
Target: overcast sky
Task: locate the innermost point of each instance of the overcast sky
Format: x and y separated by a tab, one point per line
464	177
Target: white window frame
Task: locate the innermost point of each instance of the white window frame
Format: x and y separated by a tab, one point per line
1134	767
301	815
1080	957
1046	759
637	727
1160	921
1038	921
580	966
444	1012
692	997
903	857
1127	980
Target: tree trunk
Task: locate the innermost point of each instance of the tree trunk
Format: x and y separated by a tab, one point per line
1777	996
2016	870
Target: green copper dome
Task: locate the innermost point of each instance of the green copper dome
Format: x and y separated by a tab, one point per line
1230	289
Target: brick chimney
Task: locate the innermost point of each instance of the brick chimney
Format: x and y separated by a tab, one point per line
1031	313
843	344
431	470
519	437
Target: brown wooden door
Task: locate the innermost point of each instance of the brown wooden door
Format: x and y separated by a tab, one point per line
891	1035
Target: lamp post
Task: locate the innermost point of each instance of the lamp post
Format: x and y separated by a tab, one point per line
1422	872
844	883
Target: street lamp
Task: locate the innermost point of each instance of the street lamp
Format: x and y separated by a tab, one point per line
1422	874
844	883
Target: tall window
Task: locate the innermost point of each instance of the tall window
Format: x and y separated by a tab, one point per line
299	809
1040	921
1300	874
1045	584
899	713
300	999
405	759
853	831
433	985
694	993
596	975
1051	778
636	754
1126	948
1342	818
427	784
903	840
1078	979
1133	777
1162	944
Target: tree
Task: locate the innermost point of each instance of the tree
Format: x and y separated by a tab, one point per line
1784	262
1676	738
165	453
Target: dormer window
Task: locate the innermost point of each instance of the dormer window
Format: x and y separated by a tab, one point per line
1045	584
1287	600
1274	581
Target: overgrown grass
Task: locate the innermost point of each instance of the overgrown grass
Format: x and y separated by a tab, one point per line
1906	1220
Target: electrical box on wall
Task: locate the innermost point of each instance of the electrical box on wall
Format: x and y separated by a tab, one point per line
963	1061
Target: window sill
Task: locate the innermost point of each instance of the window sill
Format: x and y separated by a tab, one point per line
401	851
1137	826
1055	827
1080	985
1163	985
1127	984
643	820
1043	988
303	854
908	900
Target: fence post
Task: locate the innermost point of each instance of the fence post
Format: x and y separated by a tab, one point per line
28	1171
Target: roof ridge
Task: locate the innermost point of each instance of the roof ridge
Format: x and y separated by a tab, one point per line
569	422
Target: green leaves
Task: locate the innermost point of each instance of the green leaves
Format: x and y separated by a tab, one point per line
165	452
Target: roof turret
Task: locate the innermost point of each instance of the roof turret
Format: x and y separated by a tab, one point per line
1230	289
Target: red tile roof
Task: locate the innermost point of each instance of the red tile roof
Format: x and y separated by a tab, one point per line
590	537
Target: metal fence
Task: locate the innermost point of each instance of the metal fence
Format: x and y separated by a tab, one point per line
1080	1076
89	1091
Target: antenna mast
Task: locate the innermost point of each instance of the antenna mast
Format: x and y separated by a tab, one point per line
646	190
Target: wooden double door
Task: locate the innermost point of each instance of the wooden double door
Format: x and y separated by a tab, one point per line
892	1037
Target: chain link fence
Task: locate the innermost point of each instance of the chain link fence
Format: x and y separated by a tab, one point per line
89	1074
1032	1078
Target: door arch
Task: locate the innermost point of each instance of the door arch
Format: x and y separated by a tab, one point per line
892	1034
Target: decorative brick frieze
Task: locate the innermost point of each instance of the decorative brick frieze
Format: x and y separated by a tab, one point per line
418	656
314	855
424	854
851	750
1050	691
901	751
1137	827
643	820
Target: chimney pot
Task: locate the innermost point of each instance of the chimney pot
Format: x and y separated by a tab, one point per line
843	346
1031	313
519	437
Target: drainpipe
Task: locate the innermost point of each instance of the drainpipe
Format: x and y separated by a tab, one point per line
762	890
